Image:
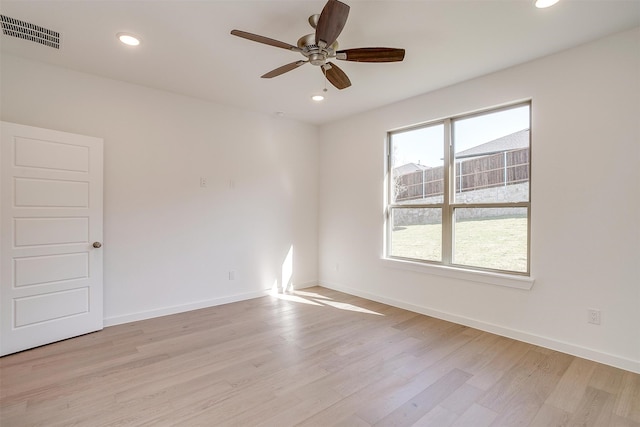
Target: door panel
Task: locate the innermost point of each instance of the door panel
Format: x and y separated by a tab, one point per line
50	274
50	192
51	268
50	307
48	231
51	155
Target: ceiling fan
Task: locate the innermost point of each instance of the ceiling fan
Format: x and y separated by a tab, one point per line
318	48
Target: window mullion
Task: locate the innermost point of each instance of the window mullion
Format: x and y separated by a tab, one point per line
447	219
390	197
490	205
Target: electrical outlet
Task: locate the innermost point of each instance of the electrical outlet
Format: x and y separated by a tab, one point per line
337	267
203	182
593	316
232	275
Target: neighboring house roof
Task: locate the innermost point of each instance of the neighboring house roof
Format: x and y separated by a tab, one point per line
408	168
510	142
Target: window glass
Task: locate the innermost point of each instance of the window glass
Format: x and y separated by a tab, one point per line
493	238
492	157
417	233
417	165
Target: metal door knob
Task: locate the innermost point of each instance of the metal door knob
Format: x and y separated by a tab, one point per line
97	245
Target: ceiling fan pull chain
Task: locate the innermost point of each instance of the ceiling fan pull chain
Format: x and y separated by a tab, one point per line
325	79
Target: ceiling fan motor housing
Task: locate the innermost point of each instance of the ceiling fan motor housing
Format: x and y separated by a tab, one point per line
316	54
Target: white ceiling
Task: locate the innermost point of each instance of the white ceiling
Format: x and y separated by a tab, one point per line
187	47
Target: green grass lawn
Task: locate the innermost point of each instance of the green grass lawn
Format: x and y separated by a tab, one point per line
499	244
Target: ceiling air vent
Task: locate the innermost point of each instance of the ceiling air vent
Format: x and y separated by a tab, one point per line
24	30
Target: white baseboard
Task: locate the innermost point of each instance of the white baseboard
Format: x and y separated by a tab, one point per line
550	343
305	285
174	309
165	311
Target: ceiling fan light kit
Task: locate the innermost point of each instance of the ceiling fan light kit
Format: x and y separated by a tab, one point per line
319	47
128	39
542	4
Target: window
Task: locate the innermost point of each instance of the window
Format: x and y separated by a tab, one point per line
459	191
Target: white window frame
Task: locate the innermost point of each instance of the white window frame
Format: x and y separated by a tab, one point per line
446	267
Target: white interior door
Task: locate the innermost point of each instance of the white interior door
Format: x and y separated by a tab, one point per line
51	215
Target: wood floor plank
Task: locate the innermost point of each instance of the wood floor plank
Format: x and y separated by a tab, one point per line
606	378
352	421
436	350
316	357
507	353
572	386
381	406
416	407
344	409
628	397
476	416
437	417
617	421
311	404
550	416
522	407
498	397
596	409
461	399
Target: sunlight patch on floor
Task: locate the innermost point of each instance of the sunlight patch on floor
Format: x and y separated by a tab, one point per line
318	300
311	295
294	298
350	307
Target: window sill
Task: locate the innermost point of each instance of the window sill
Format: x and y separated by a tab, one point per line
498	279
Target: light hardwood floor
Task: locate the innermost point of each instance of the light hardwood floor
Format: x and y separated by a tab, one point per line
316	358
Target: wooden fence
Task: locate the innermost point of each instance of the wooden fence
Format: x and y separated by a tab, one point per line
494	170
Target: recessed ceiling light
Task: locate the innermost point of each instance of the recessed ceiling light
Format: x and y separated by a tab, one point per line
128	39
541	4
317	98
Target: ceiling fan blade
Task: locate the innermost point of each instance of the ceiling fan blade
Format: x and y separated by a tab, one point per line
331	22
336	76
283	69
371	54
265	40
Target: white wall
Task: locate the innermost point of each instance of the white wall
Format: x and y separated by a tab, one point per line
585	249
168	243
